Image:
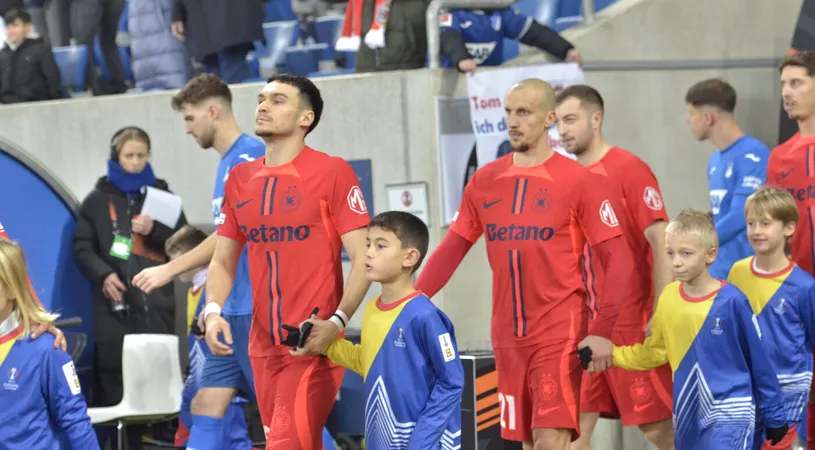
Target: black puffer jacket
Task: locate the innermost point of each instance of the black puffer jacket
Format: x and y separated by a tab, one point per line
153	313
29	73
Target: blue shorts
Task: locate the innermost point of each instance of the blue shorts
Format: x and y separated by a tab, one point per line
235	370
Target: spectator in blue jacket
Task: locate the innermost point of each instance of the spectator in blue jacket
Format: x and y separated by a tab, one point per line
472	38
160	61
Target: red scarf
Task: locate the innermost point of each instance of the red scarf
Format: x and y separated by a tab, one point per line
349	40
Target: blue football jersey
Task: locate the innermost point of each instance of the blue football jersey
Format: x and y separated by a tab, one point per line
733	174
244	149
484	32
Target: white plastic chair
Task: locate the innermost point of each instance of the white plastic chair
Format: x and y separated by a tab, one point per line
151	375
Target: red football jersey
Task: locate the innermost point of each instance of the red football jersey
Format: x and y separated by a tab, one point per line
291	217
639	206
792	167
536	221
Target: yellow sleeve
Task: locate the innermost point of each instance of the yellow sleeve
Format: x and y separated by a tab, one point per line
347	354
648	355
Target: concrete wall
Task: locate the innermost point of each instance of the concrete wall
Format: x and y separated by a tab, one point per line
389	117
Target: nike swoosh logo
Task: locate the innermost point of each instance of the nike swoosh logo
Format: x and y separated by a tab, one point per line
491	204
543	412
641	408
787	173
242	204
272	444
466	24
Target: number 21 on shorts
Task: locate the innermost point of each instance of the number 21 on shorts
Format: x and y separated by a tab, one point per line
507	403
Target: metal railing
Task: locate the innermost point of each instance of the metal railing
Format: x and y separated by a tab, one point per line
588	12
435	7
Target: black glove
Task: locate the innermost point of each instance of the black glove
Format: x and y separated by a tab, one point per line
775	435
585	357
297	336
292	336
195	330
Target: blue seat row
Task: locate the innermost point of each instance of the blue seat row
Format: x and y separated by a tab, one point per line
281	49
73	64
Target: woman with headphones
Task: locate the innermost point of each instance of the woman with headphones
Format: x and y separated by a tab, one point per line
113	242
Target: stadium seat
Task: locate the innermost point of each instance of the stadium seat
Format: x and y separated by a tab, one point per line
279	36
75	341
328	29
72	62
304	59
151	373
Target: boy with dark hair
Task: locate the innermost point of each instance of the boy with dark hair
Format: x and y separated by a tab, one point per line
781	295
735	171
408	345
28	71
235	436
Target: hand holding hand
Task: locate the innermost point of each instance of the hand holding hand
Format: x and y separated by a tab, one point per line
601	349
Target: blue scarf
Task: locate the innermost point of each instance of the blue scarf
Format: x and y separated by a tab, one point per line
130	183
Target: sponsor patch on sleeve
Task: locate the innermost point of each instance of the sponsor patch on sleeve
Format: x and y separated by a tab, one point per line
70	376
447	349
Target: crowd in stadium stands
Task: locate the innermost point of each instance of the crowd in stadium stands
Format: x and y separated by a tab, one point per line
116	46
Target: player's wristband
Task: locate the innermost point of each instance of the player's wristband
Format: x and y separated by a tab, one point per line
212	308
340	319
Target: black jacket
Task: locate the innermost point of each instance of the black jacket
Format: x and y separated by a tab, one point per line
153	313
213	25
405	37
29	73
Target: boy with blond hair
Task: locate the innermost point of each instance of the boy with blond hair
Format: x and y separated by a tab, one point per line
781	296
704	328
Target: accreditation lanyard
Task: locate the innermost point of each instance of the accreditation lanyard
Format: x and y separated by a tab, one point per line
122	245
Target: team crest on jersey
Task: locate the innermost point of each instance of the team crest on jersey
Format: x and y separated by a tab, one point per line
11	384
291	200
400	338
356	201
607	214
541	201
281	421
652	199
717	327
548	387
446	20
640	391
781	307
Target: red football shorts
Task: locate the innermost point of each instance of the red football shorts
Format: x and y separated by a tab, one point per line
295	396
538	387
638	397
